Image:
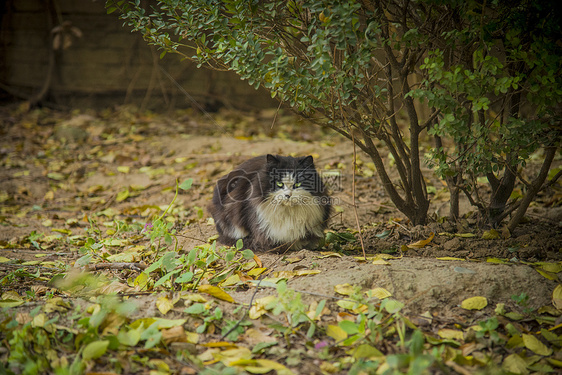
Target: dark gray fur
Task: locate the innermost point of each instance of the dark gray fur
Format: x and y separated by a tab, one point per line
239	194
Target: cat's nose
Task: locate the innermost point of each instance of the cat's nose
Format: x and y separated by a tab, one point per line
287	195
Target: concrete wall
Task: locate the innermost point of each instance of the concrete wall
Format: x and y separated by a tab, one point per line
106	65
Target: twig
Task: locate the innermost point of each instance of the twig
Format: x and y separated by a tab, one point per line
353	183
117	266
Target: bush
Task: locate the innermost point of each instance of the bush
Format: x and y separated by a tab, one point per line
482	79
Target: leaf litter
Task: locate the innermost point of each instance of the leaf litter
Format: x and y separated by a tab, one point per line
108	263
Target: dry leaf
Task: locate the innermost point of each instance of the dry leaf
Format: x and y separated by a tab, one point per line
534	344
474	303
164	304
421	243
557	297
216	292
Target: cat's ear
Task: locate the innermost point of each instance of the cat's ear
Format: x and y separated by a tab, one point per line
271	159
307	161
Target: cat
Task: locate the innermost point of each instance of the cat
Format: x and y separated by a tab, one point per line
272	202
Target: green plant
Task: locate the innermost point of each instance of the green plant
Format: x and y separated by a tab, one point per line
495	80
365	68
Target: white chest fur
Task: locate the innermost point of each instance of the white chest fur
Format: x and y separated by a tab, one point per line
286	223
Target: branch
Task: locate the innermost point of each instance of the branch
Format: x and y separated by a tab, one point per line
535	187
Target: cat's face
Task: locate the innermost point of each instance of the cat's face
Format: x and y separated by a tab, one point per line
292	181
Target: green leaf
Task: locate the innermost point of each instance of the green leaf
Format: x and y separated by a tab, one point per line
247	254
239	244
186	185
129	338
95	349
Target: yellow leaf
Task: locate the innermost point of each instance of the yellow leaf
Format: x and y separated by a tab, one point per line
256	271
465	235
329	255
220	344
548	275
514	364
534	344
551	267
63	231
122	195
160	365
229	356
557	297
379	293
491	234
263	366
495	260
260	306
344	289
123	169
216	292
141	281
336	332
450	334
366	351
421	243
554	362
449	258
4	260
380	262
474	303
164	304
231	280
306	272
352	306
194	297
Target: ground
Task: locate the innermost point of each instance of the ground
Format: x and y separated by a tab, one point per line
66	175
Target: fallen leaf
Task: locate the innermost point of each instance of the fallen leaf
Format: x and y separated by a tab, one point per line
174	334
260	306
230	356
366	351
514	364
379	293
534	344
421	243
546	274
474	303
450	334
557	297
491	234
336	332
449	258
465	235
257	271
164	304
216	292
130	337
95	349
345	289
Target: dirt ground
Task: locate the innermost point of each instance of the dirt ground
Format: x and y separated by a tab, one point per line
58	168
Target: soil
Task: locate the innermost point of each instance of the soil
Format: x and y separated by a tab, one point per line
59	168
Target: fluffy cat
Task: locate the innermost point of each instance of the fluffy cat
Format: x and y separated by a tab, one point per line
271	202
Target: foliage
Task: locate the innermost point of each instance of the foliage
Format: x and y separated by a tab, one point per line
94	291
357	67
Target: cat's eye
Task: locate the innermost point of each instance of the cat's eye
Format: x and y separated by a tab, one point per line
279	184
298	184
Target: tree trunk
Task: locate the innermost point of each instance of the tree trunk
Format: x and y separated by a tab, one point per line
533	189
